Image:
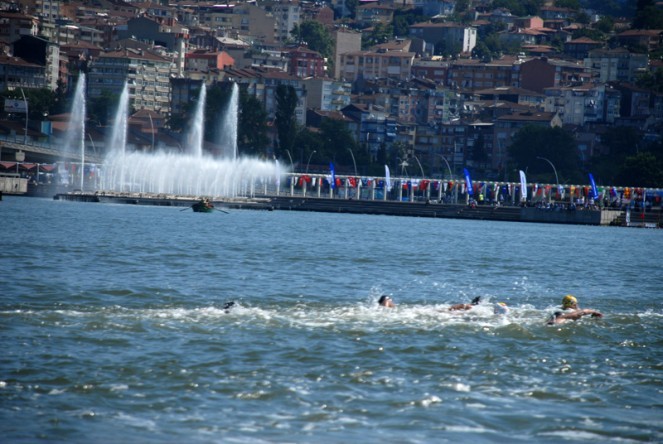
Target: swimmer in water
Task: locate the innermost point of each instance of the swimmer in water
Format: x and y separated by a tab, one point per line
571	312
501	309
469	306
386	301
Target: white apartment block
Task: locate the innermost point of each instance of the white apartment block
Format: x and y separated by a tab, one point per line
148	76
583	104
376	65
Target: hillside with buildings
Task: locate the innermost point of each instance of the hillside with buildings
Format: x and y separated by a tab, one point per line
429	87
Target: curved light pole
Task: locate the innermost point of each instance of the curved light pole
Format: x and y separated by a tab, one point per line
309	160
292	165
555	170
152	128
353	160
25	137
451	176
420	167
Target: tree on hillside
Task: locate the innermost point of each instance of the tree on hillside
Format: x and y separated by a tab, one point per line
337	141
555	144
286	125
98	108
647	15
642	170
606	24
308	147
216	102
651	80
570	4
381	33
316	37
252	126
519	8
404	18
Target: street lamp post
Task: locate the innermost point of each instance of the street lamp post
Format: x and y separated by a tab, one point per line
25	137
152	128
292	165
420	167
451	176
448	166
555	170
353	160
309	160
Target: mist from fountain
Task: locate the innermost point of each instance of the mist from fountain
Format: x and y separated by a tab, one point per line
118	136
187	173
227	138
117	141
74	138
196	135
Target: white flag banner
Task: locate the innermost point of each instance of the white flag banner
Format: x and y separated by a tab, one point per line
387	178
523	186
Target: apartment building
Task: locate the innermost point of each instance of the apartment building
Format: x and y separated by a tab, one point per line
473	74
16	73
345	40
150	30
246	19
147	74
306	63
326	94
506	126
462	37
376	65
14	25
286	13
372	14
371	126
616	65
583	104
536	74
41	52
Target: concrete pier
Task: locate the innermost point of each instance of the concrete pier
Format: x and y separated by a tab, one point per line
352	206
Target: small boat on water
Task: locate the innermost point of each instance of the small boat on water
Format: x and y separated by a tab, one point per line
203	206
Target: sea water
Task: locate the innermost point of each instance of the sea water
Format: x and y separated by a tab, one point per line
113	328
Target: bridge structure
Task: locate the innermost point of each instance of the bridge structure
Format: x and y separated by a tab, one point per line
19	149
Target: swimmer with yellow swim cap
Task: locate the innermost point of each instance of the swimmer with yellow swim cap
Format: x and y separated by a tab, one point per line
571	311
569	301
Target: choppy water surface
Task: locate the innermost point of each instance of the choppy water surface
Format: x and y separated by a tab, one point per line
113	328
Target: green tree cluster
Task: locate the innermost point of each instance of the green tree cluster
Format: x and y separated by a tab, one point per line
316	37
286	124
519	8
648	15
555	144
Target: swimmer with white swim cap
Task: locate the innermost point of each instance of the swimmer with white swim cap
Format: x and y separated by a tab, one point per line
501	309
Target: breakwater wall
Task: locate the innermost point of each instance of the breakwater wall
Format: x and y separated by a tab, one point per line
352	206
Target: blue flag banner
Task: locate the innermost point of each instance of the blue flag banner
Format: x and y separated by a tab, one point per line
595	193
333	175
468	182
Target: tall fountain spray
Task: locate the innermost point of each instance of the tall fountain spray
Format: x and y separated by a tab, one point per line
74	140
228	125
117	141
197	132
188	173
